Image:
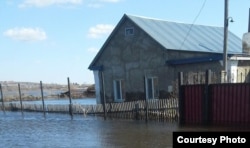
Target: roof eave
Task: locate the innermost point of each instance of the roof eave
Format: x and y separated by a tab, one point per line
98	68
195	60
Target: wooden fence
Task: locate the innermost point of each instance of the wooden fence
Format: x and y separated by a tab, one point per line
158	109
241	75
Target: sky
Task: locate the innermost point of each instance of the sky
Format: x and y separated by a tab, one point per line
52	40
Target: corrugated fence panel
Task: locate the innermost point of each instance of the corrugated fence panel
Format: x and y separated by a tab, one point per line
230	103
193	95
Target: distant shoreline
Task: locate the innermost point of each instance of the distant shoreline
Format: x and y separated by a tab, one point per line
30	91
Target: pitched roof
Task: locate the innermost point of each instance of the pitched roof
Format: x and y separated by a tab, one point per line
188	37
181	36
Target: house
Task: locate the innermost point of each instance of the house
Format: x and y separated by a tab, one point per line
142	57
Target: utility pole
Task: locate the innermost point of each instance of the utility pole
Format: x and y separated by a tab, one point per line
225	39
246	39
249	22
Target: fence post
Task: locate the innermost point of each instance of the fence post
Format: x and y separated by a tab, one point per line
136	111
146	110
146	98
41	86
70	100
20	97
3	108
181	100
206	101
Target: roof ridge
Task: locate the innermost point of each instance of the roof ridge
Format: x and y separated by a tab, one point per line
178	22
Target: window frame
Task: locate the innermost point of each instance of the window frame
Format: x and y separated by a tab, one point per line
153	93
118	84
129	31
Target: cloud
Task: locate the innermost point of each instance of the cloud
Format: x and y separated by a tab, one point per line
26	34
100	30
100	3
45	3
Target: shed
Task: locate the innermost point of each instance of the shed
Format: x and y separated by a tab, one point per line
142	56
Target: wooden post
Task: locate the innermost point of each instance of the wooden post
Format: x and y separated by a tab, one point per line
20	97
70	100
136	111
181	100
225	39
103	96
249	21
41	86
146	110
206	100
146	98
3	108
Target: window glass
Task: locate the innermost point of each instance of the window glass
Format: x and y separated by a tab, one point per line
152	88
119	89
129	31
156	90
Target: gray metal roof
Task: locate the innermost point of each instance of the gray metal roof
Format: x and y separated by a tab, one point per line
173	36
188	37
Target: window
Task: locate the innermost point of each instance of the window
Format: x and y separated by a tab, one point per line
152	88
129	31
118	90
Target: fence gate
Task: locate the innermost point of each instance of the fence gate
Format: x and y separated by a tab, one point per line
192	104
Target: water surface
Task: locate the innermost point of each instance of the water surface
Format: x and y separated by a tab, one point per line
60	130
86	101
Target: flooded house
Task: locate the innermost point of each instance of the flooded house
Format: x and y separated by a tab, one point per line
142	57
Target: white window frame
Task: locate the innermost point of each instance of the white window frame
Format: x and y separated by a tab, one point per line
129	31
120	87
155	92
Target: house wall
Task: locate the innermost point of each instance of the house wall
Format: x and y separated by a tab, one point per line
97	86
243	71
131	58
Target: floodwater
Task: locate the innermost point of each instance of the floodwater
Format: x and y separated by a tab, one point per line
56	130
60	130
86	101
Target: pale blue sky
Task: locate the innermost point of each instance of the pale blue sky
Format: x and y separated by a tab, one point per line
50	40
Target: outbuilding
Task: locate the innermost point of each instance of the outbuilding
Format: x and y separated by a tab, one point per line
142	57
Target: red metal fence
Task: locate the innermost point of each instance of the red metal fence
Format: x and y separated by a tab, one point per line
215	104
192	103
230	103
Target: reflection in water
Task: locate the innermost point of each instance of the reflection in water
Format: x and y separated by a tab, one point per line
86	101
58	130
